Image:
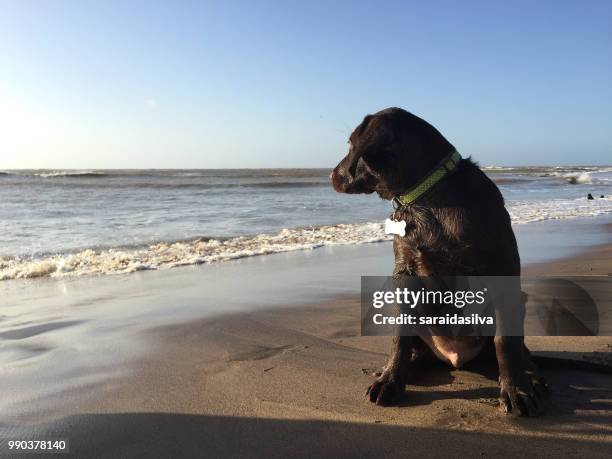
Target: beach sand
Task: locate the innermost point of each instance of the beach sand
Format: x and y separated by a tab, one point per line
290	381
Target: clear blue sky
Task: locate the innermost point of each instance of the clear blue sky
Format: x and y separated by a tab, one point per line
119	84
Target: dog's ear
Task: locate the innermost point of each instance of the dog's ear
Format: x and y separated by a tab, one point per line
379	157
370	140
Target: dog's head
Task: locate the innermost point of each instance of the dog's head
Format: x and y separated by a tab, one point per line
389	152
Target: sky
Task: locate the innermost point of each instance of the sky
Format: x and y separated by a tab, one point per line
178	84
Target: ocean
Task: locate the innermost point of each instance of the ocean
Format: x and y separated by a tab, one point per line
56	223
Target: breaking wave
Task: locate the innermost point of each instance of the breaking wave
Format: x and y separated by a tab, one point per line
585	177
69	174
171	173
203	186
171	254
557	209
164	255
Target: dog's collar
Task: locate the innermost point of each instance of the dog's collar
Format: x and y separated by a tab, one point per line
446	166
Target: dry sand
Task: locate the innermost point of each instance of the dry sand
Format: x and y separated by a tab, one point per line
291	382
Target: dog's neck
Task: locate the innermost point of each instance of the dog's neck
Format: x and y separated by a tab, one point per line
437	174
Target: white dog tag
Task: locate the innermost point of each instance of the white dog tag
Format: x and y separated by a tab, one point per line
393	227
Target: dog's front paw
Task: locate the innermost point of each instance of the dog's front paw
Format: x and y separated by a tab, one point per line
385	390
525	398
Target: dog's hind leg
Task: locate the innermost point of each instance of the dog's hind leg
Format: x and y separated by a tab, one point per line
538	382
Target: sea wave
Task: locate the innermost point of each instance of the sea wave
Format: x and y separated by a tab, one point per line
584	177
171	173
545	171
541	171
581	176
53	174
506	180
164	255
192	185
557	209
206	186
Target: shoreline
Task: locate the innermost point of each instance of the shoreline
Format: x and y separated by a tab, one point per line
592	261
237	379
100	261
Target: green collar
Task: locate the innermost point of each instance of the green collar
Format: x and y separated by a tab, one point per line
446	166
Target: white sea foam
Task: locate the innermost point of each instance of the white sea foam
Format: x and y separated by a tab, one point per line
584	177
597	178
169	255
557	209
166	255
69	174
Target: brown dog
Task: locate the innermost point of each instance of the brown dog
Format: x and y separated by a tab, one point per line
458	227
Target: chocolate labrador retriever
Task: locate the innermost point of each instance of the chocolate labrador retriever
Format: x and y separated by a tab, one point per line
455	225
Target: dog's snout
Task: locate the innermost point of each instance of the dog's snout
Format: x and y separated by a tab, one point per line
336	179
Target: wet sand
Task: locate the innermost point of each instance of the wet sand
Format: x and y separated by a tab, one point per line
290	381
594	262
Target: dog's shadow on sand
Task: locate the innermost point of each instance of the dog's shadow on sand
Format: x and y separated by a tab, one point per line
572	391
439	374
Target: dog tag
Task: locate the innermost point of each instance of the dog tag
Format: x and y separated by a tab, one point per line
393	227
